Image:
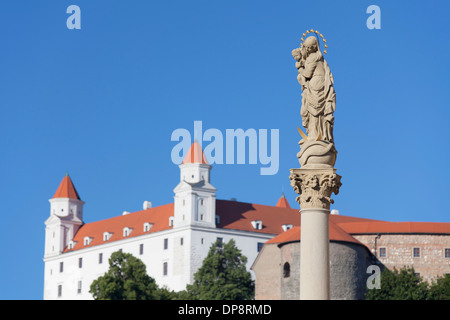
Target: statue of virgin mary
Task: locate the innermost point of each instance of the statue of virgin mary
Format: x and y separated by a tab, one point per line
318	97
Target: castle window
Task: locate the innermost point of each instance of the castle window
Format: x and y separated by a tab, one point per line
87	241
59	290
80	263
147	226
166	243
141	249
447	252
201	202
71	244
382	252
257	224
79	287
181	241
259	246
286	270
165	269
416	252
100	258
217	219
127	231
106	236
170	221
61	266
219	242
286	227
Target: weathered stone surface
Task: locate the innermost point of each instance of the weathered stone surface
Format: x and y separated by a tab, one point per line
317	154
315	187
398	252
267	267
348	276
318	97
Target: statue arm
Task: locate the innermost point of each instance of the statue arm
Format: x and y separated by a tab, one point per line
301	79
308	71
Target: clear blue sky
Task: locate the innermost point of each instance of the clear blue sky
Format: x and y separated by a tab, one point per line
102	102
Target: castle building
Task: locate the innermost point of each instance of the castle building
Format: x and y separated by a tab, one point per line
173	239
356	246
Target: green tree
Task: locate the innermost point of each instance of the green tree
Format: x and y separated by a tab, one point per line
401	284
222	276
440	288
126	279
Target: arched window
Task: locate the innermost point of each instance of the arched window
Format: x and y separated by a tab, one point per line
127	231
106	236
257	224
147	226
286	270
71	244
87	241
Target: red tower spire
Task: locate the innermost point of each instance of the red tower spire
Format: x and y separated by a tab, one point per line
195	154
282	202
66	189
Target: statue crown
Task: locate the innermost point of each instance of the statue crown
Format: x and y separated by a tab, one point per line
317	34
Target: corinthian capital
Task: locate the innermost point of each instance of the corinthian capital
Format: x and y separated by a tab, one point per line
315	187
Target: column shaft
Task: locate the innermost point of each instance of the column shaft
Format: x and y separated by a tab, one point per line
314	255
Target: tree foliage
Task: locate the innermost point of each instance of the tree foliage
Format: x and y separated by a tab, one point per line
126	279
440	288
222	276
401	284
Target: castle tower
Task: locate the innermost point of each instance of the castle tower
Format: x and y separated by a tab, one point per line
282	202
66	217
195	197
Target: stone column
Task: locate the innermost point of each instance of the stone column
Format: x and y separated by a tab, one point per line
315	187
316	180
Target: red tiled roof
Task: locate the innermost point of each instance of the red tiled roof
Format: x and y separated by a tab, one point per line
291	235
343	227
239	215
157	216
195	154
282	202
396	227
294	234
233	215
66	189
